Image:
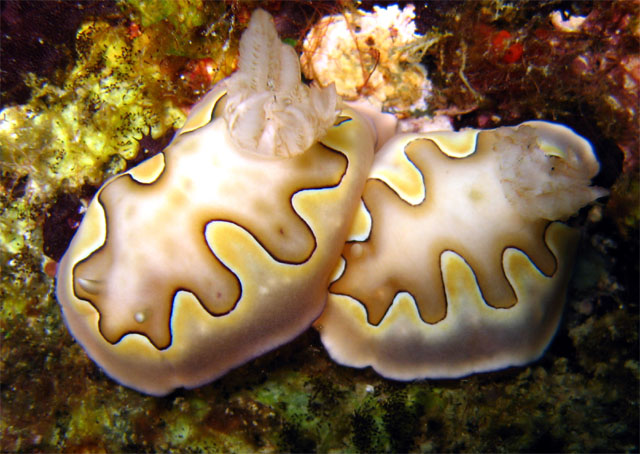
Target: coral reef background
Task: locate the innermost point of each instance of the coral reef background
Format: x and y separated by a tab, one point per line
90	89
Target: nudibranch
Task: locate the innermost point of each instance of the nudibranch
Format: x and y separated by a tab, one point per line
456	262
231	241
221	247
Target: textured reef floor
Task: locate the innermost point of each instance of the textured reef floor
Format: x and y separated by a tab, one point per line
112	83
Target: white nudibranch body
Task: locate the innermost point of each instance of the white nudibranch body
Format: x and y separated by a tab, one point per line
437	258
464	270
213	252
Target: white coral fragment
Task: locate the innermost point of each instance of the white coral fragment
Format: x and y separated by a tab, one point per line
570	24
373	56
546	170
269	110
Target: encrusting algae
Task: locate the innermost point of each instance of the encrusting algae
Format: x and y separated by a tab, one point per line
579	397
120	90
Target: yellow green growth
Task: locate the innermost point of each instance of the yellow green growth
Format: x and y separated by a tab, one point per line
126	83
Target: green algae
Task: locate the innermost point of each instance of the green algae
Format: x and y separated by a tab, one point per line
182	14
69	133
186	28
